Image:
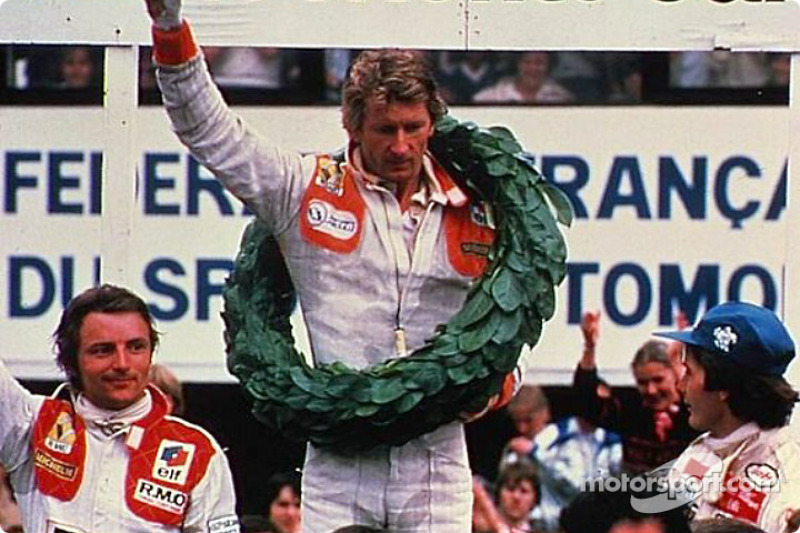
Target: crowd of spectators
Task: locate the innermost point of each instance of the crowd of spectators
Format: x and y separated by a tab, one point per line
541	479
293	76
603	437
549	472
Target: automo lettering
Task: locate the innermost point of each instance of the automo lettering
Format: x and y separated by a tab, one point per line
667	291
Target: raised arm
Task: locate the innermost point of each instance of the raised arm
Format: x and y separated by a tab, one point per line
269	180
595	401
590	328
17	410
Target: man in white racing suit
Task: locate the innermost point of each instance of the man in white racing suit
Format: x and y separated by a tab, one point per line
381	246
102	454
747	464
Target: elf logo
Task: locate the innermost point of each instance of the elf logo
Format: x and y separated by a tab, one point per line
160	496
173	461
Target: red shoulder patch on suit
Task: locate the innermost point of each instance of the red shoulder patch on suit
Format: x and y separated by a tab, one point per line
59	449
332	212
168	458
469	238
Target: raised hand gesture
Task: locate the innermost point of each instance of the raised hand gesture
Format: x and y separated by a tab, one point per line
590	327
166	14
675	348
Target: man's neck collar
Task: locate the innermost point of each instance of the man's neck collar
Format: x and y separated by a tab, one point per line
732	433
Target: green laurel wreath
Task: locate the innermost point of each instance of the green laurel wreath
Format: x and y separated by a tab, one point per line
464	362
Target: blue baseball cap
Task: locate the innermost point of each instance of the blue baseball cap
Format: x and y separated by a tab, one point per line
745	334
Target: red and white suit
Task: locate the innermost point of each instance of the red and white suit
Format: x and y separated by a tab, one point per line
751	475
76	468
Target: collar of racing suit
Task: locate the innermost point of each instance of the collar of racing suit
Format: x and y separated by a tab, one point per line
728	449
107	421
436	186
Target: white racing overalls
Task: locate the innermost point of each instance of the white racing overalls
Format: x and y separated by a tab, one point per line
751	475
357	282
71	475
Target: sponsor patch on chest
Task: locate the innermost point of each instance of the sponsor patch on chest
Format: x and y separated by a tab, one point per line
480	215
325	218
477	249
58	468
762	475
157	495
741	500
330	176
224	524
61	436
173	461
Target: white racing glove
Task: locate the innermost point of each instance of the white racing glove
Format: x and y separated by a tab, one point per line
166	14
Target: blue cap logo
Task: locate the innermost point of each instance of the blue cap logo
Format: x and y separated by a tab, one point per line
725	338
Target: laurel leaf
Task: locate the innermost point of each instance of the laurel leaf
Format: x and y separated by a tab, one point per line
506	291
388	392
474	309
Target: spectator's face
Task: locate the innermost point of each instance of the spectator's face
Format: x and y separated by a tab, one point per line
114	358
284	510
517	500
393	138
77	68
658	385
532	68
781	69
475	58
529	422
706	408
